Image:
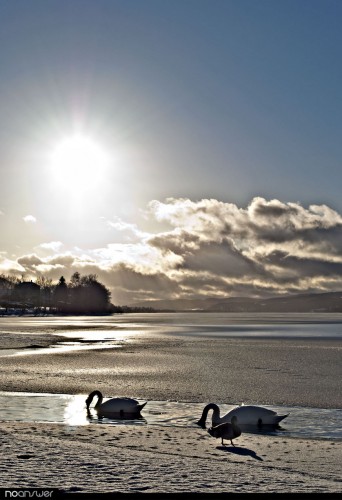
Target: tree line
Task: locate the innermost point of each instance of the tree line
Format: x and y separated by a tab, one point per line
81	295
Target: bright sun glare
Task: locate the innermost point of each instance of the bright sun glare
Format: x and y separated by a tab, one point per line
78	162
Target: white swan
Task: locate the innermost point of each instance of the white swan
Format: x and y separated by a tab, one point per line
246	415
116	407
227	430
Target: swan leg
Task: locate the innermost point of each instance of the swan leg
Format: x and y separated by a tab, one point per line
230	441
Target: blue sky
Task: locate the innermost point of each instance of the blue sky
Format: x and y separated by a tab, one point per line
215	110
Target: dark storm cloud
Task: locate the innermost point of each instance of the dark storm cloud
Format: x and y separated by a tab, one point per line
220	259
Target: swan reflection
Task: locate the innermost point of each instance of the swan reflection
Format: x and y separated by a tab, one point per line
93	416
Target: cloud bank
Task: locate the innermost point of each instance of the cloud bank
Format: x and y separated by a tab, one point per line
211	249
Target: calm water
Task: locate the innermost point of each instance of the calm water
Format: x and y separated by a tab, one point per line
94	332
70	410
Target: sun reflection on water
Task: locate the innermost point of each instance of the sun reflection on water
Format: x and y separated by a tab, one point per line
75	411
100	335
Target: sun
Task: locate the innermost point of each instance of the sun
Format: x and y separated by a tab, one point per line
78	162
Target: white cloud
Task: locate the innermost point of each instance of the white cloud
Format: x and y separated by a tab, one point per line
8	266
54	246
129	230
29	219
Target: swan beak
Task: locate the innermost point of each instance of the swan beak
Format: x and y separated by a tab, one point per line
201	423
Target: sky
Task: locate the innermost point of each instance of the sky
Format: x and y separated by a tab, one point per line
183	149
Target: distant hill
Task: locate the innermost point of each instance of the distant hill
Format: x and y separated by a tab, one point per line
311	302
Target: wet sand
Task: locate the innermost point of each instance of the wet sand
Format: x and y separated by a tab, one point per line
153	458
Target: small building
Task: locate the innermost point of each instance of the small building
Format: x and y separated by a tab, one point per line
27	293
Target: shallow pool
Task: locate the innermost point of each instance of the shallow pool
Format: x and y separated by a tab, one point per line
71	410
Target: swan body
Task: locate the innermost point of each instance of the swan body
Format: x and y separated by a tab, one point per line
245	415
116	407
227	430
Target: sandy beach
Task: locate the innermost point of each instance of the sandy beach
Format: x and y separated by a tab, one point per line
157	459
153	458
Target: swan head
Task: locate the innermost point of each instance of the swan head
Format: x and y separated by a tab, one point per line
91	397
211	406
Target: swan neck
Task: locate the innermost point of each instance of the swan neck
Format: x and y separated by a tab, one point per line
215	416
215	408
99	398
216	411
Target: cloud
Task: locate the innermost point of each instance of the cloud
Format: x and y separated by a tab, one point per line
10	267
29	219
55	246
130	285
130	231
211	249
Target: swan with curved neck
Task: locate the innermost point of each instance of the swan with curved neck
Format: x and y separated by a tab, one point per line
227	430
245	415
119	407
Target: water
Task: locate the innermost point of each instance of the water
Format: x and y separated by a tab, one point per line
79	333
71	410
96	332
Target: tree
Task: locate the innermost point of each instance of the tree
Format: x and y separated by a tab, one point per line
45	290
44	282
87	295
6	286
60	296
75	280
